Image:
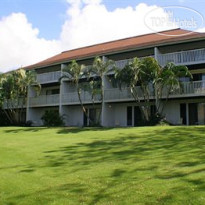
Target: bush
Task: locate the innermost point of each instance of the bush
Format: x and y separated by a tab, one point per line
28	123
155	119
52	118
3	119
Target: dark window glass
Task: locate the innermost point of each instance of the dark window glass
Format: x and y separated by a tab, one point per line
129	116
137	116
85	119
193	114
183	113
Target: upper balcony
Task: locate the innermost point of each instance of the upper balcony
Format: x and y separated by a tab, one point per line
67	99
44	100
50	77
189	57
73	99
188	89
122	63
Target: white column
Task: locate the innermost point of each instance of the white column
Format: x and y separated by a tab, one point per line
28	104
156	54
31	93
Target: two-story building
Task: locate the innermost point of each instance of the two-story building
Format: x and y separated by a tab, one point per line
120	109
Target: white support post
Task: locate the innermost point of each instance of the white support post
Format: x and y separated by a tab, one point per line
28	105
156	54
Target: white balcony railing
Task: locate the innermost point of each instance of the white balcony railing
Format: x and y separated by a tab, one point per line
188	89
72	98
44	100
49	77
196	88
122	63
189	57
183	58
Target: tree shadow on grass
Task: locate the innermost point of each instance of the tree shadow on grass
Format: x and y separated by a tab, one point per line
176	142
60	130
17	130
46	196
27	170
181	149
67	130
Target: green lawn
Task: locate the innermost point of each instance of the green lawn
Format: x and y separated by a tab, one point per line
150	165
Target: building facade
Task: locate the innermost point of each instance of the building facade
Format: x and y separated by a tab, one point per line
119	108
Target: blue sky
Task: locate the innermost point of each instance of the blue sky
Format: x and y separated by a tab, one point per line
33	30
49	15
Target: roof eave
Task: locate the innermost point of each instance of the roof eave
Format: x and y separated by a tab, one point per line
119	51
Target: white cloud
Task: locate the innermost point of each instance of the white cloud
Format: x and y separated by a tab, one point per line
201	30
20	44
90	22
87	22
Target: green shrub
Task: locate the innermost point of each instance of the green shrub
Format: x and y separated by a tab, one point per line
3	119
52	118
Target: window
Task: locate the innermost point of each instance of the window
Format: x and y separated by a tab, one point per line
52	91
93	114
184	79
129	116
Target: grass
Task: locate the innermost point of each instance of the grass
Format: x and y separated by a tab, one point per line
150	165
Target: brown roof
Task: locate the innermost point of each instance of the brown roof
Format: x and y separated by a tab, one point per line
137	42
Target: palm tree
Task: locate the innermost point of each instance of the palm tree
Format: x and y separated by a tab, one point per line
138	76
74	72
147	79
168	82
97	73
13	92
26	79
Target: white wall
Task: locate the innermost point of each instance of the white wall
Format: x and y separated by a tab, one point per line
172	112
120	115
35	115
74	115
109	115
44	90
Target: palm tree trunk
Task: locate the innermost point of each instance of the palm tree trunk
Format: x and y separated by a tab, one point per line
102	99
81	103
136	97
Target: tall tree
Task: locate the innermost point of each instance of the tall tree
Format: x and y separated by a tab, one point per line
168	82
147	81
13	93
98	71
74	72
138	76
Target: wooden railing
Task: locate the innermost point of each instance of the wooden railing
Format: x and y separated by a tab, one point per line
44	100
72	98
183	57
121	63
49	77
195	88
188	89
